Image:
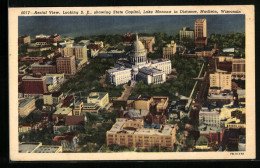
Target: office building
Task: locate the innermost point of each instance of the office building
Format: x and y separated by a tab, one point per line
66	65
220	80
77	50
43	68
26	107
34	86
186	33
209	117
169	50
131	133
238	69
200	32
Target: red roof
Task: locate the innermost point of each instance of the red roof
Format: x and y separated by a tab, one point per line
75	120
61	138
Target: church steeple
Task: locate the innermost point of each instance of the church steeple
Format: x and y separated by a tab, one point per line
136	37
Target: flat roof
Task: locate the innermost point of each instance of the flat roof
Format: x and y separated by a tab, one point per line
220	96
159	61
165	130
47	149
63	111
136	113
206	110
117	69
49	63
150	71
97	95
28	147
24	103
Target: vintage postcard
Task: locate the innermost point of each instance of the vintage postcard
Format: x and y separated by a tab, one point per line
132	83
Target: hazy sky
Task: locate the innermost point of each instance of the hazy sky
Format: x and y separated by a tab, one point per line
93	25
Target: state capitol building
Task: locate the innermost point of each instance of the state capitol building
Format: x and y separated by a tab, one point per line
137	68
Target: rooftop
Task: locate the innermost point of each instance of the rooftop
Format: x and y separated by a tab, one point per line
28	147
75	120
43	64
24	103
133	113
47	149
165	130
160	60
97	95
150	71
63	111
220	96
117	69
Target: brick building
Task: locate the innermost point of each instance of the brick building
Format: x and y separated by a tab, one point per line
66	65
131	133
44	68
33	86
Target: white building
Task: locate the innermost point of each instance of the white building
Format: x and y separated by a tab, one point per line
209	117
137	67
118	76
151	75
220	80
164	65
186	33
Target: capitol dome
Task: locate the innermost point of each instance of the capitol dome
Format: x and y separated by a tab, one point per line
138	46
137	55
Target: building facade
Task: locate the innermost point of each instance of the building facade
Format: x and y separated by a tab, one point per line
169	50
77	50
238	69
48	67
118	76
131	133
186	33
148	43
26	107
200	32
209	117
66	65
33	86
220	80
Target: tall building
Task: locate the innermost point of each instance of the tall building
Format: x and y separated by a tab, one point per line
169	50
77	50
148	43
131	133
238	69
66	65
186	33
221	80
201	32
33	86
